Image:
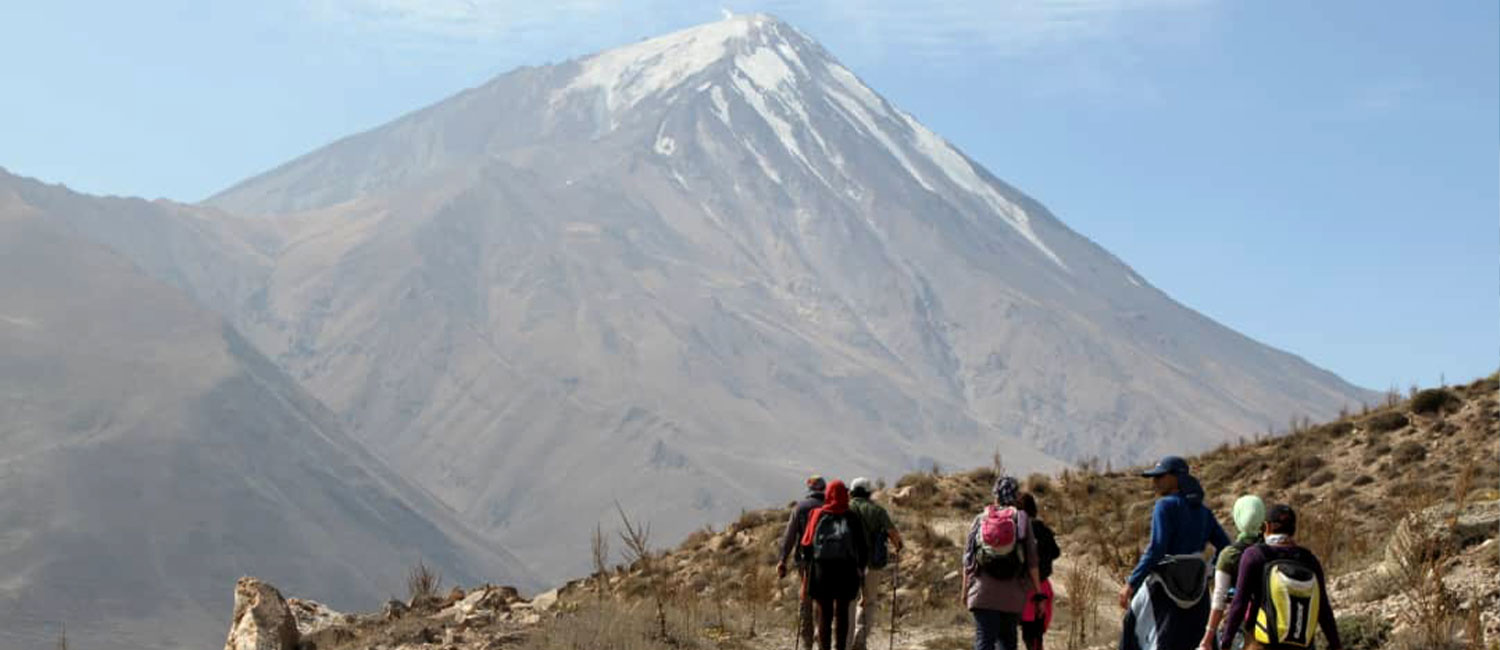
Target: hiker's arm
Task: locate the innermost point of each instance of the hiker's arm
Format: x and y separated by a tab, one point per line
1155	551
1217	602
1222	582
1033	563
1326	618
1216	534
895	536
1251	563
788	540
969	550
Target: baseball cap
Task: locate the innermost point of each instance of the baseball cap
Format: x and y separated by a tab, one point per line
1168	465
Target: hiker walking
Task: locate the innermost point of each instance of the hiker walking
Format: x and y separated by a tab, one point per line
1249	515
789	542
883	541
1281	592
1165	598
834	549
1000	568
1037	617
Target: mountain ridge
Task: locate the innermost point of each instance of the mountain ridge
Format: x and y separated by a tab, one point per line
531	295
151	453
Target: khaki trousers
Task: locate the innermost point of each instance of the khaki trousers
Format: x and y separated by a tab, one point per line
867	607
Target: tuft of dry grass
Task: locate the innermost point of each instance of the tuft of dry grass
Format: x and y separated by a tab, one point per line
423	582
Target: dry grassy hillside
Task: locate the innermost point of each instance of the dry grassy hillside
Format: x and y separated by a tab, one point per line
1397	500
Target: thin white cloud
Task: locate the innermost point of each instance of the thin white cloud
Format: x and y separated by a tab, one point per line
1384	96
922	28
466	19
1093	45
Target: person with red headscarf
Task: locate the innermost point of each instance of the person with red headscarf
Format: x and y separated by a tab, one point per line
836	551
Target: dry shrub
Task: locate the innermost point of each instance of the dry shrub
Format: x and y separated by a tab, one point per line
1409	452
423	582
1386	421
1418	559
1081	586
1434	400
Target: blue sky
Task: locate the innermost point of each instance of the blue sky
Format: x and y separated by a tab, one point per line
1322	176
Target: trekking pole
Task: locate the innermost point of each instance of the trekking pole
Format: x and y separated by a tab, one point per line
801	589
895	581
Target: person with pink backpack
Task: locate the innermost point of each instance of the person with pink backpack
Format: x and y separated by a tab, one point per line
1000	568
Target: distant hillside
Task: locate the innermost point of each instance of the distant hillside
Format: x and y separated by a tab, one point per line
149	455
1391	499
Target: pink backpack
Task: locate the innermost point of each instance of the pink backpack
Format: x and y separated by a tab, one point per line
999	553
998	530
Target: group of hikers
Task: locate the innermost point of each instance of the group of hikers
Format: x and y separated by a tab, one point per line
1263	590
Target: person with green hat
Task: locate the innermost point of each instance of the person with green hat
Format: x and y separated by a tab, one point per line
1249	514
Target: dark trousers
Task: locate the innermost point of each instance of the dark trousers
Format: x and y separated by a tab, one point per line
1031	634
995	630
833	623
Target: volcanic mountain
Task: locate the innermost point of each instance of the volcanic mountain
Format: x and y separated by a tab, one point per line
149	456
683	274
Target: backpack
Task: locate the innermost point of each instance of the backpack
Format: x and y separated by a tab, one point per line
833	539
1290	602
1229	561
1000	555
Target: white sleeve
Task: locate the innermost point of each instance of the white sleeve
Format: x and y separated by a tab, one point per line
1222	582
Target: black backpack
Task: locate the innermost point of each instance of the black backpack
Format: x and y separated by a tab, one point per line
833	539
1047	549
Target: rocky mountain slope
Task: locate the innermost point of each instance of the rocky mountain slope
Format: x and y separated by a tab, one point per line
688	271
148	454
1401	505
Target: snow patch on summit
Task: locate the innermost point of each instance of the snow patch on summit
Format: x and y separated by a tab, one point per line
766	77
626	75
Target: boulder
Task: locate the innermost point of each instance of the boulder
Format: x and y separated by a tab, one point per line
544	601
393	610
313	617
262	620
479	606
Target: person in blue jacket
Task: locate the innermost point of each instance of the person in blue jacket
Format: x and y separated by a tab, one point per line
1181	527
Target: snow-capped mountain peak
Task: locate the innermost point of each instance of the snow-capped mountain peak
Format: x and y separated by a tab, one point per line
760	45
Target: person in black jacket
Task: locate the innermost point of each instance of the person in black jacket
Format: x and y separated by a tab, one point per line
794	528
1038	614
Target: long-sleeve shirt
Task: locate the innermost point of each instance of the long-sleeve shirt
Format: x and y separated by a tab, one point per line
798	521
1180	525
1248	590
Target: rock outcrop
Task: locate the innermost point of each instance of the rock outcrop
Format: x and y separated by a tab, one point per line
262	619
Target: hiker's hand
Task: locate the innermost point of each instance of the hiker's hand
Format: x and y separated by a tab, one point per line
1207	643
1125	593
781	570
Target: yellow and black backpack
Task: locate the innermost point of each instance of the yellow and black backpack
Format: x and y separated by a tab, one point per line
1290	603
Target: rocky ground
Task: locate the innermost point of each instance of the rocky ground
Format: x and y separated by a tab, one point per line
1400	501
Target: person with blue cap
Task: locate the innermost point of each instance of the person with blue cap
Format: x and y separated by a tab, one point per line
1165	597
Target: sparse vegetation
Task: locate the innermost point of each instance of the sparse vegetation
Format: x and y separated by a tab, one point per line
1434	400
1386	421
719	590
423	582
1363	632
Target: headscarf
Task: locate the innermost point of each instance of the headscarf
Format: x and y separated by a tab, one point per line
1249	515
1007	490
835	502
